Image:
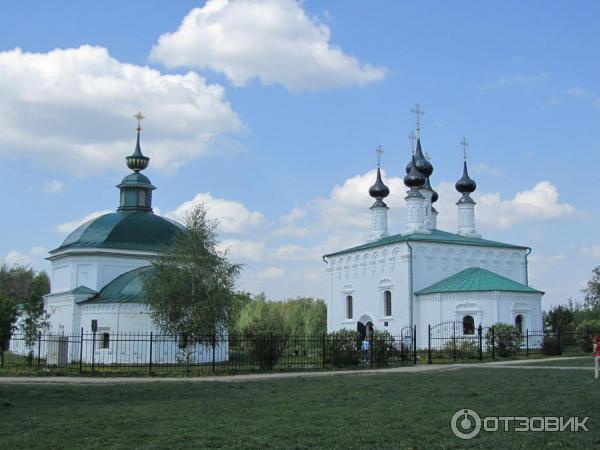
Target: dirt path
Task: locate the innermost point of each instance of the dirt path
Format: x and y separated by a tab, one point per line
275	376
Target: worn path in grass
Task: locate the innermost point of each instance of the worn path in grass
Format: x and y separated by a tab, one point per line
516	364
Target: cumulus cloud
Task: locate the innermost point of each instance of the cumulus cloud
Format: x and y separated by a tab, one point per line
272	40
243	250
233	216
486	169
52	187
32	258
82	100
67	227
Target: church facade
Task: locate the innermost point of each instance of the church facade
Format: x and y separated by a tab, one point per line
426	276
97	276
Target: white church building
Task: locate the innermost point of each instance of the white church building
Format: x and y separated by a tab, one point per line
426	276
97	275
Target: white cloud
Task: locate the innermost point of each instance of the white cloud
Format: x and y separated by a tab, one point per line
233	216
67	227
71	109
271	273
291	217
293	252
243	250
539	204
53	187
32	258
272	40
514	80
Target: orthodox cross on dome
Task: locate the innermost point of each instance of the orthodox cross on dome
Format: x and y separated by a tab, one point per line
465	144
418	112
139	117
379	152
412	137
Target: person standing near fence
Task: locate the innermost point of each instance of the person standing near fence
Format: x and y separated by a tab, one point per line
596	355
365	349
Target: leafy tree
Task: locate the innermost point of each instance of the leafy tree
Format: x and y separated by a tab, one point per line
584	333
21	286
190	291
507	339
342	348
591	299
8	318
559	318
264	330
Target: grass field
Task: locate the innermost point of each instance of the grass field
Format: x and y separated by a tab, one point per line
585	361
401	410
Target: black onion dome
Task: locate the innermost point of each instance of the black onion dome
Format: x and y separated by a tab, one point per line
434	195
423	165
414	178
465	185
137	161
379	190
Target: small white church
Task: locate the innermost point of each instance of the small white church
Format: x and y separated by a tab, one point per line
426	276
97	277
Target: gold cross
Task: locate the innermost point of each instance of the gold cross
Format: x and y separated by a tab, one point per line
465	145
418	112
379	152
139	116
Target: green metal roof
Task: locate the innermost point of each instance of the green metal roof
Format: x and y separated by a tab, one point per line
123	230
476	279
83	290
435	236
126	288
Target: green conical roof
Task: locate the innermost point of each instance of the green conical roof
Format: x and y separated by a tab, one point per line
476	279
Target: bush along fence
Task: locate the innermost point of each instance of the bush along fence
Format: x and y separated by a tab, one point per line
453	342
158	354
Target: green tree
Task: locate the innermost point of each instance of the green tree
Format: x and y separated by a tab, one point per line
21	292
584	333
8	318
190	291
559	318
591	299
507	339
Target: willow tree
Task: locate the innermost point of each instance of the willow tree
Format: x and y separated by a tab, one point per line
191	290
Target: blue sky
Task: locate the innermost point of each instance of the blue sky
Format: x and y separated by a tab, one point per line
270	113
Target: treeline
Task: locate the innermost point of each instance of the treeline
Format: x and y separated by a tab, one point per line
21	291
301	316
582	316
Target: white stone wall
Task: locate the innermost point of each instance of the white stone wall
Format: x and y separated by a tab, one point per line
368	273
92	269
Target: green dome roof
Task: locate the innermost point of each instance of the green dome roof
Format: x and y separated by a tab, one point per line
126	288
124	230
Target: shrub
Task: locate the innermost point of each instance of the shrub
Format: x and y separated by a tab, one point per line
465	348
384	347
507	339
584	333
551	345
342	348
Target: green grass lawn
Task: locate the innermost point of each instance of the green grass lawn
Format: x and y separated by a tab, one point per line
401	410
579	361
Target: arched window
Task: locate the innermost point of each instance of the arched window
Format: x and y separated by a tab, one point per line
349	313
387	303
468	325
519	322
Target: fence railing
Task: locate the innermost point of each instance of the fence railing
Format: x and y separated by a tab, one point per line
450	342
160	354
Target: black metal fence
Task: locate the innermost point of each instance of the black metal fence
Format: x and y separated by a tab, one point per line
450	342
161	354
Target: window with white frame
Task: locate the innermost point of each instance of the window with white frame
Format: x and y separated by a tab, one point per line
387	303
468	324
519	322
349	312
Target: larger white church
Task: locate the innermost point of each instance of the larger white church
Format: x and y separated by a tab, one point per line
425	276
